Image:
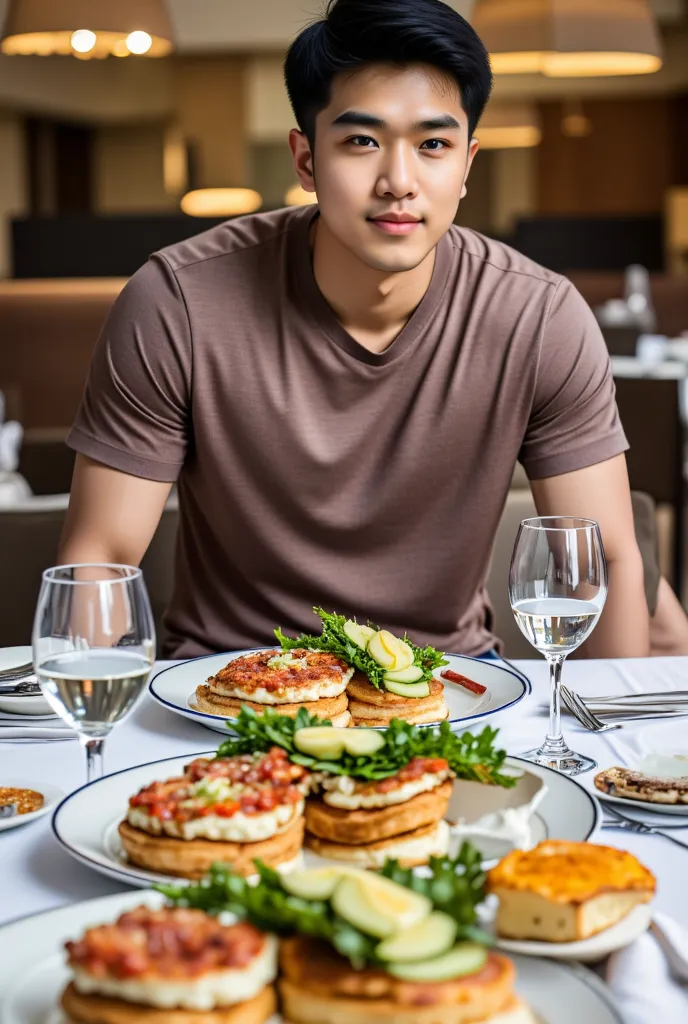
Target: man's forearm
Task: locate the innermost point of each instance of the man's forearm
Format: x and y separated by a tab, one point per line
623	630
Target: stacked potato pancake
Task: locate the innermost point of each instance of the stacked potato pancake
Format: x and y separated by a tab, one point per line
171	966
314	680
231	809
371	706
401	816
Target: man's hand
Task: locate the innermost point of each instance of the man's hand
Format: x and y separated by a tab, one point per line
112	516
602	493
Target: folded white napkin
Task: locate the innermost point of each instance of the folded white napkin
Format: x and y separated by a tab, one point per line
15	733
641	979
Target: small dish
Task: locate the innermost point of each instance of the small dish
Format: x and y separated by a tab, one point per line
51	798
11	657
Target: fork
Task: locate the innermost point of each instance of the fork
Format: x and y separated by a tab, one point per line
631	825
9	675
583	715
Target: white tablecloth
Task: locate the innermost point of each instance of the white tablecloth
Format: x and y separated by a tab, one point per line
38	875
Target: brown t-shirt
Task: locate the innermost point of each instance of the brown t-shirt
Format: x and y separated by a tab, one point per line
312	471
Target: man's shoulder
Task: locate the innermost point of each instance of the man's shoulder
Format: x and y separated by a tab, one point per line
232	238
501	258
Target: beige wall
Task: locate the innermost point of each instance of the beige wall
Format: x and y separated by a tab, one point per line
210	110
13	184
128	170
514	191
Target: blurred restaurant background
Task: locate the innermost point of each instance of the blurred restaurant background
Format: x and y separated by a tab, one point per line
127	125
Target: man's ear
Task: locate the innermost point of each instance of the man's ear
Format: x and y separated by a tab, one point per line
473	148
303	159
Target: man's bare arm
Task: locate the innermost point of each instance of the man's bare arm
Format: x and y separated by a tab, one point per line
602	492
112	516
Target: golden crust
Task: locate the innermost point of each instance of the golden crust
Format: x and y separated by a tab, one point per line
572	873
192	858
253	671
365	854
92	1009
26	800
370	706
318	986
229	707
369	826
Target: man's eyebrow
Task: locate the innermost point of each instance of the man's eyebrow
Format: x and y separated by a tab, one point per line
359	119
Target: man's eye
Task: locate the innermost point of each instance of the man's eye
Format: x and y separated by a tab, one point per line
365	141
434	145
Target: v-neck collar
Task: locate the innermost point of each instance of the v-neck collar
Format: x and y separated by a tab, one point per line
323	315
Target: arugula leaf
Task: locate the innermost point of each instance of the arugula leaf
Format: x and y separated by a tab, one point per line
454	885
470	757
334	640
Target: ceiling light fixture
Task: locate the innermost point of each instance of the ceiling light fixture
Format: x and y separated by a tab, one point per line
509	126
220	202
126	27
297	196
569	38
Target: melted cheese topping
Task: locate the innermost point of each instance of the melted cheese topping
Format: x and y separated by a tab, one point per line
350	794
240	828
289	694
436	844
570	872
217	988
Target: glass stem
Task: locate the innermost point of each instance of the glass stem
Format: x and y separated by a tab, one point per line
554	743
94	746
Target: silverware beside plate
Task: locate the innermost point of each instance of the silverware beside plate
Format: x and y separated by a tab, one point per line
625	824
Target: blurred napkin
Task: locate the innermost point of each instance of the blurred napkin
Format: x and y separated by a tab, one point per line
642	981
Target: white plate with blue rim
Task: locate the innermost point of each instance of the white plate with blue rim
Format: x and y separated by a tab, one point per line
33	972
86	822
175	689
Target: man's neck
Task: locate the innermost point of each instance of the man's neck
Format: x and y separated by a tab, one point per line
372	306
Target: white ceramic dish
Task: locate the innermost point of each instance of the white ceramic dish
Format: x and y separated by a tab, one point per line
51	798
588	950
643	807
33	973
175	688
86	822
11	657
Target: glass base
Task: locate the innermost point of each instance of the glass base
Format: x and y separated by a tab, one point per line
565	760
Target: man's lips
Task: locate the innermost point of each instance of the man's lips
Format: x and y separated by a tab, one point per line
395	224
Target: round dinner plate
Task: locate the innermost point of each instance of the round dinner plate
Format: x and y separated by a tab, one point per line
51	798
36	706
33	972
175	688
587	950
86	821
643	807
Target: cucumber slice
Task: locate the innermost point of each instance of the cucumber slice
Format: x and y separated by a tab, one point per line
321	741
362	742
464	958
407	689
359	635
431	937
378	906
405	675
318	884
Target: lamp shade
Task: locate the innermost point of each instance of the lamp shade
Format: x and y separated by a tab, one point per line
297	196
87	28
569	38
220	202
509	126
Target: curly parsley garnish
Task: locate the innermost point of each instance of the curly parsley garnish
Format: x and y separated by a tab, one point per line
455	886
334	640
470	757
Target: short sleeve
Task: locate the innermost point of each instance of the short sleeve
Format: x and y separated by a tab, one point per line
135	411
574	421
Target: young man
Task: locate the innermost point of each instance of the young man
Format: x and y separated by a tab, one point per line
342	391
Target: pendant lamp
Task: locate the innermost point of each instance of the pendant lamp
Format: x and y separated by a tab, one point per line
569	38
509	126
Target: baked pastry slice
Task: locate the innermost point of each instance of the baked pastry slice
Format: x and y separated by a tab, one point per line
565	892
636	786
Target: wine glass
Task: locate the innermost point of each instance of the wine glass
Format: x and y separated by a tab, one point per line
557	589
93	648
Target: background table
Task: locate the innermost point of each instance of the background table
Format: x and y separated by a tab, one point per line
39	875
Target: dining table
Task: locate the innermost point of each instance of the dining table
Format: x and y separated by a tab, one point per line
38	874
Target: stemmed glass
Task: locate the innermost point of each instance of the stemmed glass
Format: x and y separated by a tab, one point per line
93	648
557	589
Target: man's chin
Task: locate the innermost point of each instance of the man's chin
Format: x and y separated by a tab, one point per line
398	261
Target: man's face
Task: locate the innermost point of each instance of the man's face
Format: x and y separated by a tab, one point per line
392	156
